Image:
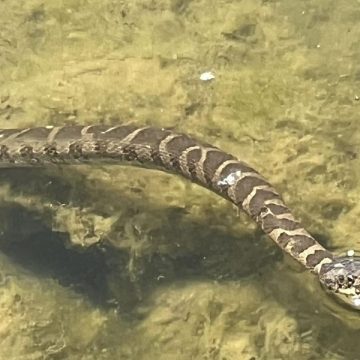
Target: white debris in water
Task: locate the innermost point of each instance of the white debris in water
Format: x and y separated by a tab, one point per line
207	76
230	179
350	253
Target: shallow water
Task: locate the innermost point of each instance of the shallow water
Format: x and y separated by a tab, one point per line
124	263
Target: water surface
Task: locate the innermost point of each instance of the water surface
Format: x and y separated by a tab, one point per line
123	263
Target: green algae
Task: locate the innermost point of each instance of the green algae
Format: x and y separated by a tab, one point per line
97	263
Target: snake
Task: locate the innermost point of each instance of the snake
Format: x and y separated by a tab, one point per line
201	163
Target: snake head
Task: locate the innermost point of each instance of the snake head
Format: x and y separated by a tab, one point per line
341	279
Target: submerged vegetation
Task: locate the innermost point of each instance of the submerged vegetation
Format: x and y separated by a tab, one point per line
124	263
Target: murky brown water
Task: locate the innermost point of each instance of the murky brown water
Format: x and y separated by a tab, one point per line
123	263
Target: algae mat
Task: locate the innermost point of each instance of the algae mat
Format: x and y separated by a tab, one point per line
97	263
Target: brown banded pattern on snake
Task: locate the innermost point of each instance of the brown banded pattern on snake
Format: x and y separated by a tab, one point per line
202	163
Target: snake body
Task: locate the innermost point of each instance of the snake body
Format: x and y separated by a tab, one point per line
199	162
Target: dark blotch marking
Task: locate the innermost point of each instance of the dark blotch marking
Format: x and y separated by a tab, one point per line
37	134
278	209
155	155
151	137
117	134
26	151
284	238
172	163
180	143
192	161
302	243
314	259
214	158
271	222
68	133
257	202
97	131
175	164
4	153
244	187
129	153
27	154
5	133
75	150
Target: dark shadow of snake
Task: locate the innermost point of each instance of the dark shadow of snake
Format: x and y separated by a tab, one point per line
30	241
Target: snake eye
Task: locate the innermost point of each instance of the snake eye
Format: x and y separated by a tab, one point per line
350	279
341	279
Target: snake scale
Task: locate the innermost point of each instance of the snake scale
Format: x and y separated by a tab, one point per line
199	162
